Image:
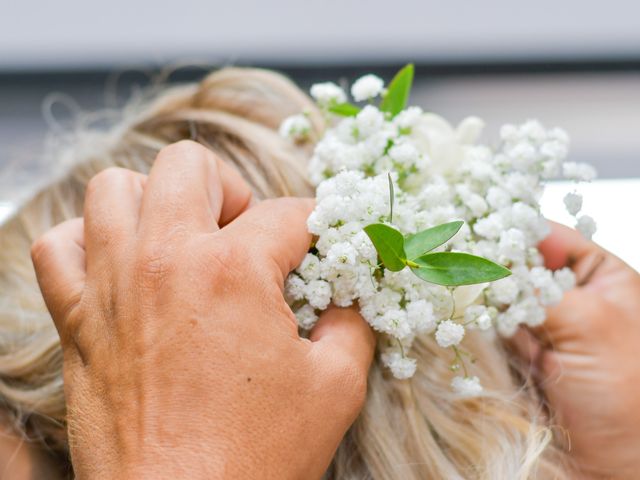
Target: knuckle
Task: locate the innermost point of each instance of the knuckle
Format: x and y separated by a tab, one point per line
185	150
289	206
153	262
43	247
107	177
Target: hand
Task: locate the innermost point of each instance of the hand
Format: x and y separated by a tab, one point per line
586	356
181	357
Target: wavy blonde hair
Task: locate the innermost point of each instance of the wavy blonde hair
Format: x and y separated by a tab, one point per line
412	429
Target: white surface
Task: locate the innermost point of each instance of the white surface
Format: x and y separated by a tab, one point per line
612	203
68	33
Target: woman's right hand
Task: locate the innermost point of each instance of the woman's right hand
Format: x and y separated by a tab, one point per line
587	356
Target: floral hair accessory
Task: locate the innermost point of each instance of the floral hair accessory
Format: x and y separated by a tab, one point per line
431	232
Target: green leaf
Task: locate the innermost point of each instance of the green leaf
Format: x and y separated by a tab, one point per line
418	244
398	92
453	269
344	109
389	243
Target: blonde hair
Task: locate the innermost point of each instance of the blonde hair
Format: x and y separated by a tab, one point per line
412	429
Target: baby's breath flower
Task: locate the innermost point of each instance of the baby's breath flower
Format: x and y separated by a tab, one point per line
573	202
466	387
587	226
306	317
401	367
440	174
366	87
318	293
309	269
296	127
578	171
294	288
449	333
328	93
565	278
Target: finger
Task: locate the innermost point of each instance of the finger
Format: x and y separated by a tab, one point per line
59	261
525	345
273	233
111	214
571	319
342	331
566	247
189	189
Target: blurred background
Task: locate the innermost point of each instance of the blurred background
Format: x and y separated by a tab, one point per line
568	63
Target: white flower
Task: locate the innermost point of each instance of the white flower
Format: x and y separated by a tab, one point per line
478	315
440	174
491	226
469	130
435	136
294	288
306	317
498	197
549	291
420	314
578	171
573	202
405	154
504	291
401	367
318	293
309	269
449	333
342	253
296	127
395	323
484	321
407	118
586	226
466	387
366	87
565	278
512	245
368	121
466	295
328	93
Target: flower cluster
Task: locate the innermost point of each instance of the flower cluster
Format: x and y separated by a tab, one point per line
439	173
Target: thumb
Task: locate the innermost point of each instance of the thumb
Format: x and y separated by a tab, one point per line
566	247
342	331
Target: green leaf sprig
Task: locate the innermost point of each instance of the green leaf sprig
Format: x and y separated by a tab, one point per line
397	96
393	101
397	251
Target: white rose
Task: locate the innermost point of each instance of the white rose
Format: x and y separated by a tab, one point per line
445	145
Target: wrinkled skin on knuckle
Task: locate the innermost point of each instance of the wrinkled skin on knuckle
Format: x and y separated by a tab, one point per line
154	262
